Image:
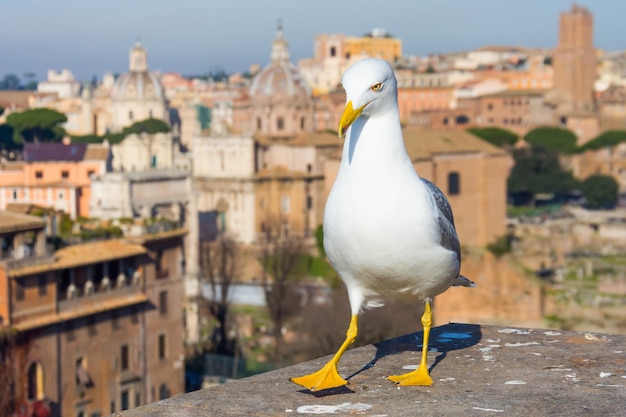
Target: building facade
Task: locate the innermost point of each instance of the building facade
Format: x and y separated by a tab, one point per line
54	175
99	324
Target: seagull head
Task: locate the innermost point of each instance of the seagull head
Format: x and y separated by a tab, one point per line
371	87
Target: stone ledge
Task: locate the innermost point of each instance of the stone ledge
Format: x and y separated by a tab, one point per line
477	370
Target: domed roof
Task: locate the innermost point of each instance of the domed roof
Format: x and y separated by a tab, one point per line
280	79
138	83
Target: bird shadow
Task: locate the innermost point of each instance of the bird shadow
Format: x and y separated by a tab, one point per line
443	339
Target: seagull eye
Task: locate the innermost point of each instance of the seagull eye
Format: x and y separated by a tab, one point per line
377	87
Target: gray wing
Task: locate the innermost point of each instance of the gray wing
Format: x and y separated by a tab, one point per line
449	238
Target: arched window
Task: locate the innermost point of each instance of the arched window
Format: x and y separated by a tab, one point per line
462	119
164	392
35	381
454	183
333	51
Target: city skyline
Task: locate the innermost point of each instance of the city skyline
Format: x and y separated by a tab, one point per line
198	37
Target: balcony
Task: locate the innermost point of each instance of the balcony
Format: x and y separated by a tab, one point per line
81	305
477	371
100	300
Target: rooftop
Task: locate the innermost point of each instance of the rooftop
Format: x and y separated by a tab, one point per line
477	371
48	152
428	143
11	221
84	254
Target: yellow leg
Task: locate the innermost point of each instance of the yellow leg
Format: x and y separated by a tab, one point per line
328	377
419	376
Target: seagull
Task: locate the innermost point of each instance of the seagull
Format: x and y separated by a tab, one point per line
387	232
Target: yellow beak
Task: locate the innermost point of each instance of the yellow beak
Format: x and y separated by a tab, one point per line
348	117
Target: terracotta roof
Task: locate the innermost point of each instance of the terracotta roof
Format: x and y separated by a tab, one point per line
27	208
96	152
428	143
18	98
153	237
11	221
517	93
425	144
84	254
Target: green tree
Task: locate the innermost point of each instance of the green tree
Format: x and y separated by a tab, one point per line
554	138
495	135
606	139
600	191
150	126
10	82
31	82
37	125
537	170
7	144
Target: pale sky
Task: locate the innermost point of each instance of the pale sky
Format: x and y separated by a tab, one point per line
197	36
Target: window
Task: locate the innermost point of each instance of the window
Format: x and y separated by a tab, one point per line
454	183
259	124
130	115
61	195
39	174
65	174
163	302
82	376
35	382
302	123
164	392
309	202
42	283
14	194
280	123
161	346
19	290
125	400
124	356
333	51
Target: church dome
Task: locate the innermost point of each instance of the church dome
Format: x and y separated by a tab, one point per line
280	80
137	84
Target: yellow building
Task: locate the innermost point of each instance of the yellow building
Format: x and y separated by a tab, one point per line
377	44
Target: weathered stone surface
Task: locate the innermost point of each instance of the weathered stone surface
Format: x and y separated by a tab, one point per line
477	370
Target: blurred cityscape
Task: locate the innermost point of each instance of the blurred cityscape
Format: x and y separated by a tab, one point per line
162	233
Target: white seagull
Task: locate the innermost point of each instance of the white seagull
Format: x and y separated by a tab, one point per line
387	232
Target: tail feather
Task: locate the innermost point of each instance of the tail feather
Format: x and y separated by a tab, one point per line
462	281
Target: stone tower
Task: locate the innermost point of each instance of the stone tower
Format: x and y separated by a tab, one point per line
575	61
